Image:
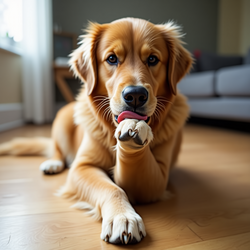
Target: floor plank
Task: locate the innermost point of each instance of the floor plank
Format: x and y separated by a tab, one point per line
241	241
210	208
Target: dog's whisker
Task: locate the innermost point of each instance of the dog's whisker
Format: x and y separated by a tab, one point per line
99	100
162	108
106	112
159	111
99	112
157	114
159	104
163	99
102	103
161	96
101	107
110	114
101	96
166	101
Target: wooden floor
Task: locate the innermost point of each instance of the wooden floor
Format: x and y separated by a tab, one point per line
210	209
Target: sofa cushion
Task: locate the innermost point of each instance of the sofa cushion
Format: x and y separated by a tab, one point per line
232	108
200	84
233	81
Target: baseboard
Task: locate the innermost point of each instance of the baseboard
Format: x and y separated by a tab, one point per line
11	116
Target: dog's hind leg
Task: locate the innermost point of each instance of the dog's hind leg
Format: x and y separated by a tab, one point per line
64	135
54	165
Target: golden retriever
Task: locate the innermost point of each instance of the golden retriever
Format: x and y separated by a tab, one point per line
124	132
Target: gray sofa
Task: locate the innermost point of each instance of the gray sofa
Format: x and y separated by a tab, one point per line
222	93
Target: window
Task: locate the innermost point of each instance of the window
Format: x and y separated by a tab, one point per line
11	31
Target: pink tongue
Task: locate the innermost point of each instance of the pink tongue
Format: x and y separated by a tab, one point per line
131	115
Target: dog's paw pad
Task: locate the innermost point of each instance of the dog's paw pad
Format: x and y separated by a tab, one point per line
52	166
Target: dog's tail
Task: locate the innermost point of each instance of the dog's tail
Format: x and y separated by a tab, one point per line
28	146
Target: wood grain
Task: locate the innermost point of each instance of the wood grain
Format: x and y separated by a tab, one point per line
241	241
210	208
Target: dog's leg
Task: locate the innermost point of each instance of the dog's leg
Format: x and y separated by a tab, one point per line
89	183
66	139
55	164
142	172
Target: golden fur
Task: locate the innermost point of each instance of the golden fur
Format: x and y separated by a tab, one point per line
86	134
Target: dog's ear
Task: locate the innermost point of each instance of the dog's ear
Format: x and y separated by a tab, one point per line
180	60
83	59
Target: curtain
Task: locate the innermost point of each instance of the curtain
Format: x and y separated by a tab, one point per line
37	61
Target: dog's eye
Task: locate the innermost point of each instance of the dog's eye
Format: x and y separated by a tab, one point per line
112	60
152	60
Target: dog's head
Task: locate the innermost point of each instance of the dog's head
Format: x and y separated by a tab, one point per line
132	67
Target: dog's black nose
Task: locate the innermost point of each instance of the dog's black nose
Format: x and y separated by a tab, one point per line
135	96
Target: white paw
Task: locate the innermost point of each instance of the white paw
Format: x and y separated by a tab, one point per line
137	131
124	228
52	166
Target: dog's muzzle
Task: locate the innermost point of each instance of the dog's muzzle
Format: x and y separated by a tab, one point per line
135	96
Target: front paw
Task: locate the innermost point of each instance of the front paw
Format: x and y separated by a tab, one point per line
135	131
123	228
